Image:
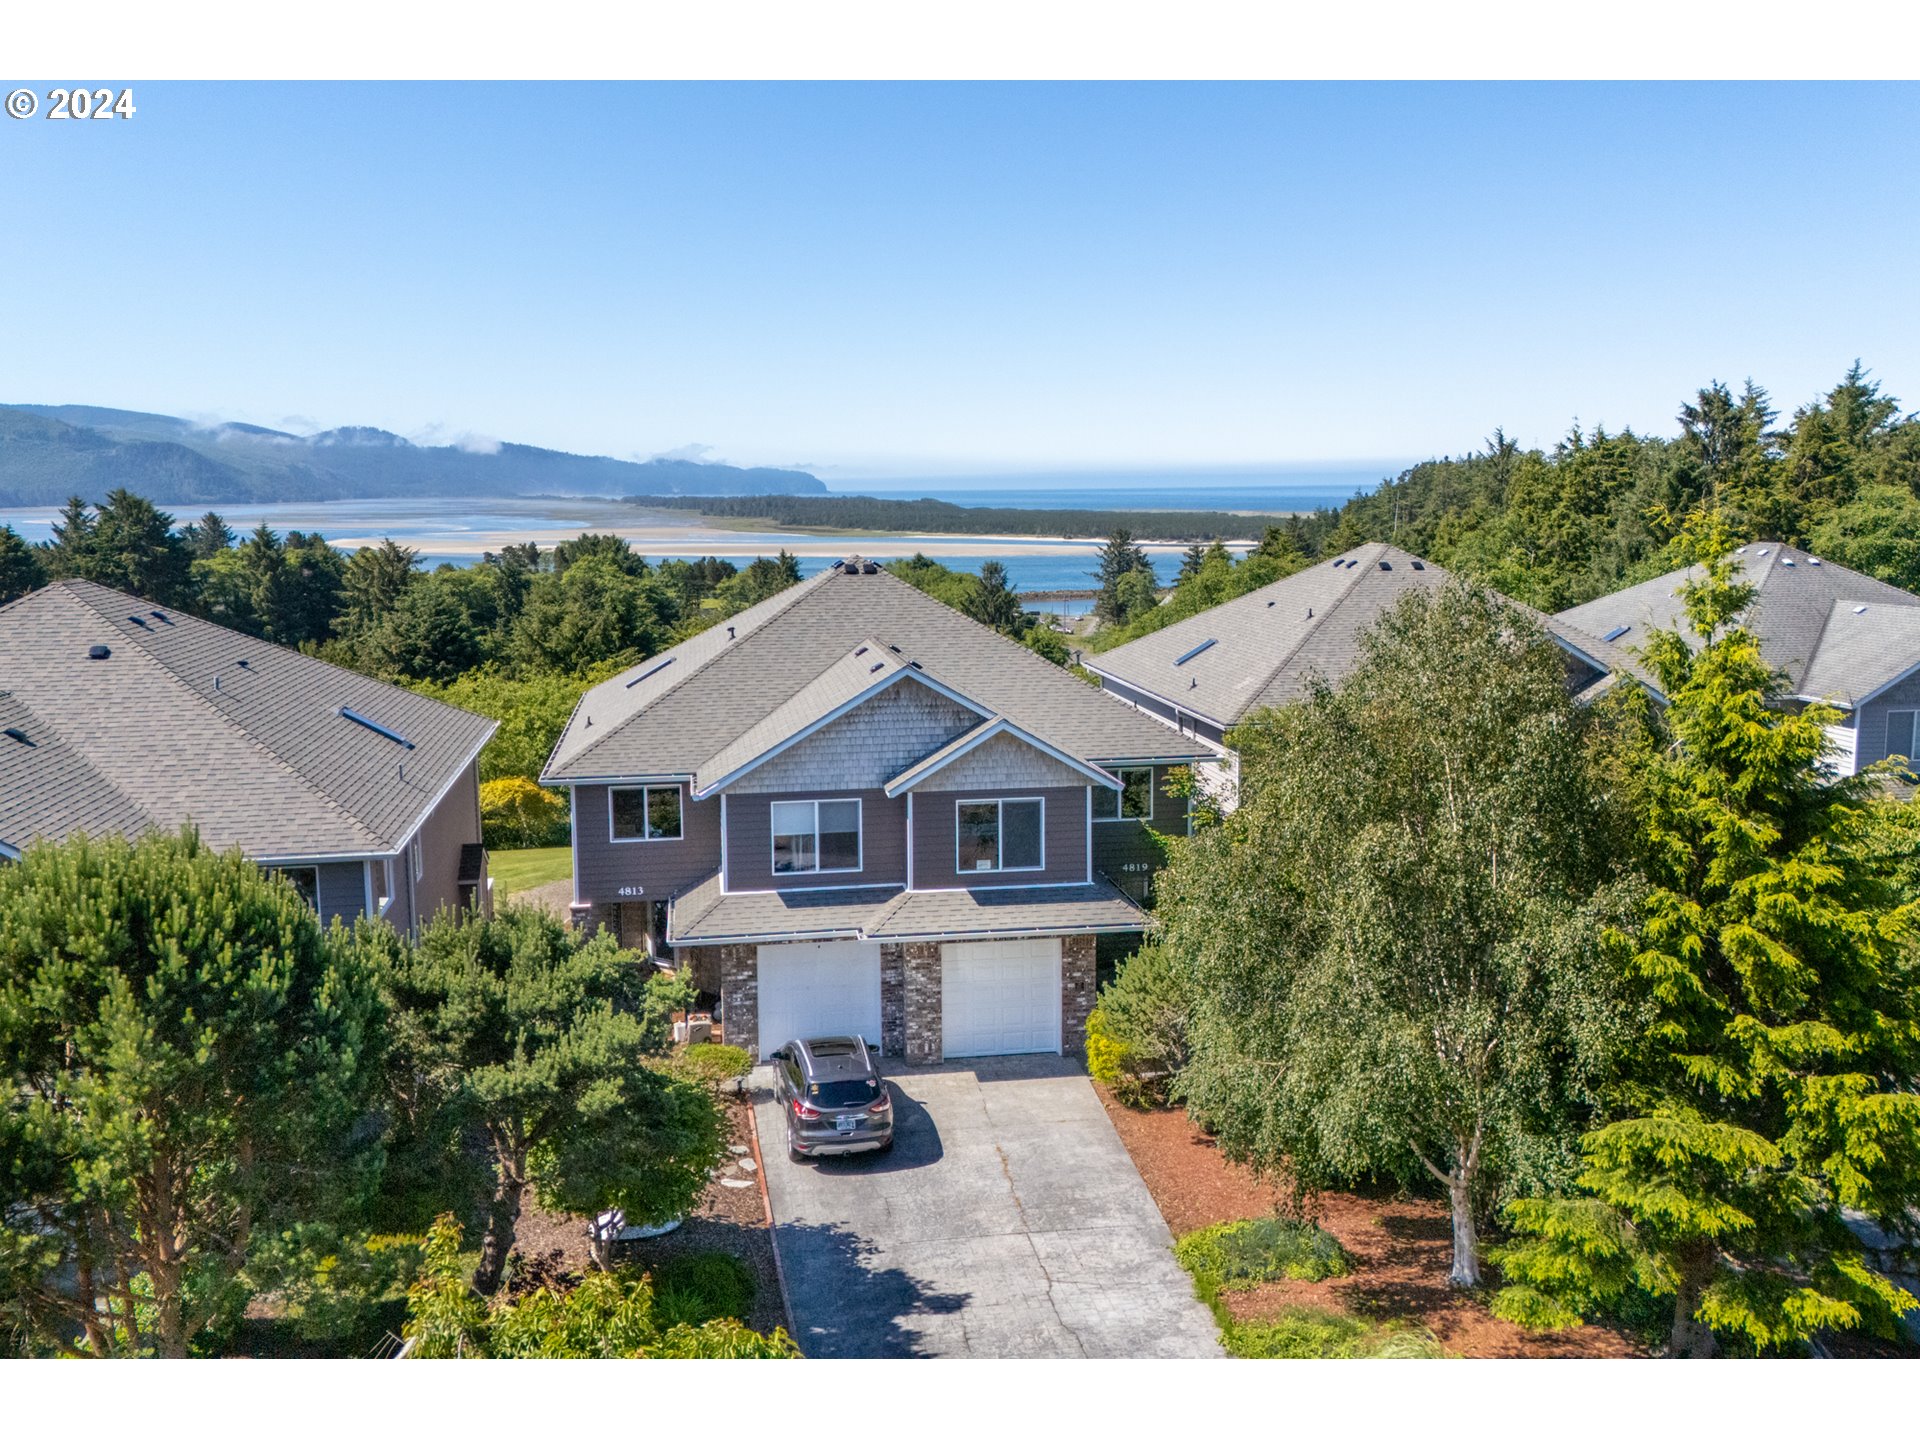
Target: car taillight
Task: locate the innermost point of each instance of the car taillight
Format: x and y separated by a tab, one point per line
804	1111
883	1103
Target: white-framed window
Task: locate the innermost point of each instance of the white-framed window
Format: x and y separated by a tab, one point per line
305	879
997	835
1903	735
815	837
1133	801
644	812
382	881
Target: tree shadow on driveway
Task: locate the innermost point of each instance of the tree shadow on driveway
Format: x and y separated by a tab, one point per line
848	1306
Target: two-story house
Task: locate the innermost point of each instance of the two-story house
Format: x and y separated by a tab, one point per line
118	716
1205	674
1839	637
851	809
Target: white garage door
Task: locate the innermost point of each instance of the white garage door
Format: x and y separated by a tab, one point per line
1000	997
828	987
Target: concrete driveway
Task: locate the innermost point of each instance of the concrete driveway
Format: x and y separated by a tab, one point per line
1007	1221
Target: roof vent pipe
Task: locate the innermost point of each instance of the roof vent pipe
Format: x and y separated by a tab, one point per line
729	632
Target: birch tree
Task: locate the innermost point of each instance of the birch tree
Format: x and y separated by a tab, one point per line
1391	940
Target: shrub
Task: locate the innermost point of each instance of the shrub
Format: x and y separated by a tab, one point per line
1241	1253
1137	1033
707	1285
516	814
1302	1332
711	1064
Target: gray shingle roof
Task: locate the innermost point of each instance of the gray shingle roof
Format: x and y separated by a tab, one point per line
1270	645
189	721
705	916
674	713
1799	598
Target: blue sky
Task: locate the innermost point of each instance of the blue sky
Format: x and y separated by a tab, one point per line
916	280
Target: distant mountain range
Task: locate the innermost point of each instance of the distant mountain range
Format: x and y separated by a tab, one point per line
48	452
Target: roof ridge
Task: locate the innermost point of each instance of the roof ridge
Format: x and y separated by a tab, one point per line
792	595
1353	583
174	678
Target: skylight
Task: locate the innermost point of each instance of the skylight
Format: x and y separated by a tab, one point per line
1859	609
1616	632
1203	645
347	713
653	670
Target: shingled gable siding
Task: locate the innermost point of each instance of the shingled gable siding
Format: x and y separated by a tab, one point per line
883	842
454	822
659	868
1065	845
1873	721
866	747
1002	761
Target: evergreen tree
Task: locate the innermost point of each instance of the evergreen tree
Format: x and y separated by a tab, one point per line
429	636
993	601
591	613
207	536
611	548
184	1058
133	548
69	555
1772	1095
375	579
539	1037
1119	558
20	567
1191	560
1876	533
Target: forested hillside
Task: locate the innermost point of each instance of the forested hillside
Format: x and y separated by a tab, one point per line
1840	476
49	452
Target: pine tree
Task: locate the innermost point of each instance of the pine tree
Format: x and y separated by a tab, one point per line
20	567
207	536
1119	558
1773	1093
70	553
993	601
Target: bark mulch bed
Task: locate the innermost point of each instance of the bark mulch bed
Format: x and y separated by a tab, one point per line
1402	1247
727	1218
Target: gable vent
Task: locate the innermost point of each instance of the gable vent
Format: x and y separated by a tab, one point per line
347	713
1203	645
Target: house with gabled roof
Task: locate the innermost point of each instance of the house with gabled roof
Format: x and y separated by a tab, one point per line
850	809
1837	635
1205	674
118	716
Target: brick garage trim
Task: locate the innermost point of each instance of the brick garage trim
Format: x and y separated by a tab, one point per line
740	996
1076	992
925	1044
893	1001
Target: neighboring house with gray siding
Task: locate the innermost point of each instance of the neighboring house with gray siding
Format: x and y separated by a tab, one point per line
1205	674
1838	636
851	809
118	716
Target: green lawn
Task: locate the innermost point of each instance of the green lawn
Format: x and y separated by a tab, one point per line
515	870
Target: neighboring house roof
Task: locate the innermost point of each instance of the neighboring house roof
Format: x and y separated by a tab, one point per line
187	721
789	661
706	916
1269	646
1804	613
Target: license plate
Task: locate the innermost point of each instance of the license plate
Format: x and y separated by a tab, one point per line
846	1123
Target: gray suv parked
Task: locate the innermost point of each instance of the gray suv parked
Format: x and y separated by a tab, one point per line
835	1100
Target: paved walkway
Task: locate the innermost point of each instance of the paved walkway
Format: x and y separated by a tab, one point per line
1007	1221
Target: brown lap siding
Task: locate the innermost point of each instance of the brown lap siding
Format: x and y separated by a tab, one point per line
659	868
935	818
883	842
